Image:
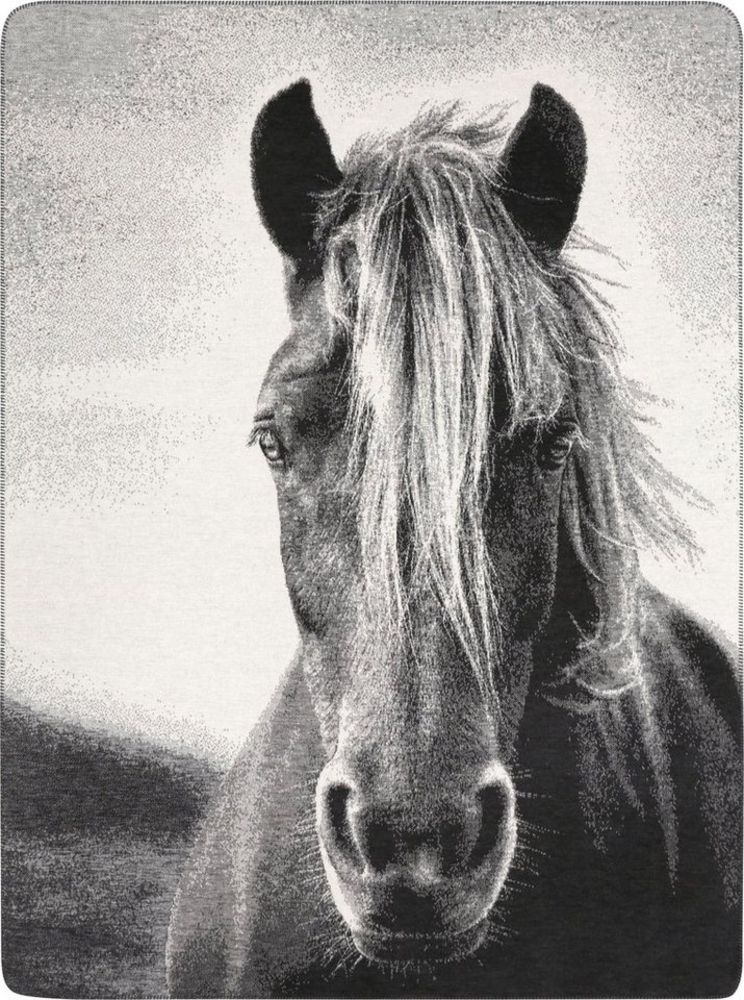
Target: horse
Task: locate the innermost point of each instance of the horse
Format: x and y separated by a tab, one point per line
501	763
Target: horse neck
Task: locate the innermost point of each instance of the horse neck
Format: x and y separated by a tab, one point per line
621	771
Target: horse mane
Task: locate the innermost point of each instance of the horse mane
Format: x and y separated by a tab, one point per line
450	317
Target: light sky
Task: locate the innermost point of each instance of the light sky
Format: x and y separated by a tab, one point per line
145	593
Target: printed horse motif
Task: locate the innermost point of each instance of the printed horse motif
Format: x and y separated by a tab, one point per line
501	764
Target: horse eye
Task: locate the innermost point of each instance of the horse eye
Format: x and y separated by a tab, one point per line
557	444
271	447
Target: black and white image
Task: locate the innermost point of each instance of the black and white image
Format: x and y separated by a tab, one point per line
372	547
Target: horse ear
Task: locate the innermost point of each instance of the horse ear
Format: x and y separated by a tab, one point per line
542	170
292	165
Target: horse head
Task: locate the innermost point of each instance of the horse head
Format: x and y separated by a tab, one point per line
418	422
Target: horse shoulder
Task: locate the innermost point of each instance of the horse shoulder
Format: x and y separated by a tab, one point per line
659	773
237	898
696	696
698	661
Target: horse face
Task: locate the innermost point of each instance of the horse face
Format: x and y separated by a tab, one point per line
415	807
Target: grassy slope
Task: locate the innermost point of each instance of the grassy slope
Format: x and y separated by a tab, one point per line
95	834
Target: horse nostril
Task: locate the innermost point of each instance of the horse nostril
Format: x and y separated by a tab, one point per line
335	826
494	817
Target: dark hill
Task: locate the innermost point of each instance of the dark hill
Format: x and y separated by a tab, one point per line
95	833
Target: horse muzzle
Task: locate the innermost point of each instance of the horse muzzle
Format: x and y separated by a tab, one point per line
415	875
421	949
